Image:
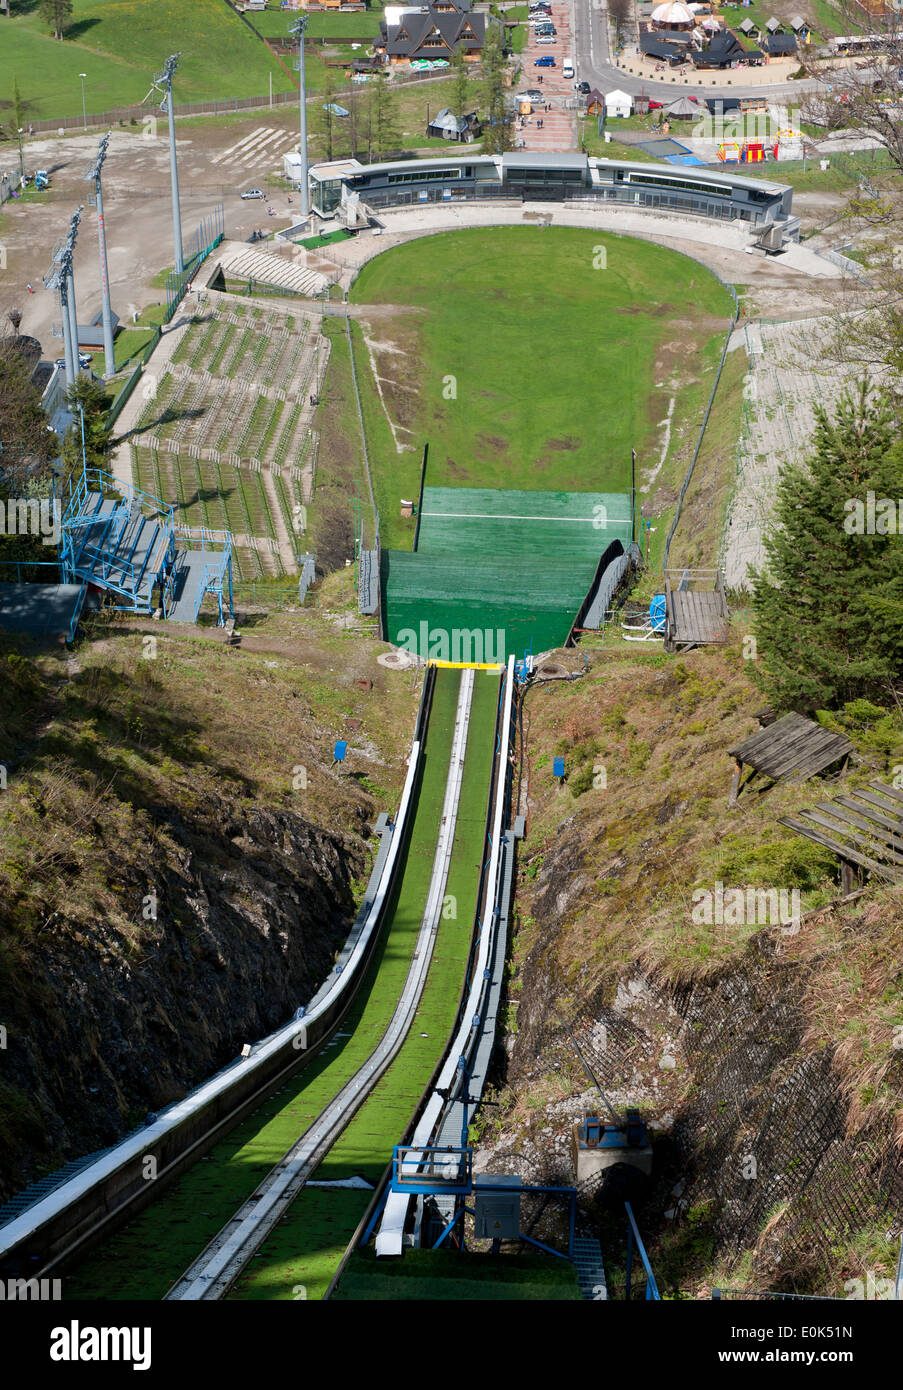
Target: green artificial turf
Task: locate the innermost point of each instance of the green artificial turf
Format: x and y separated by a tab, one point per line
304	1251
448	1274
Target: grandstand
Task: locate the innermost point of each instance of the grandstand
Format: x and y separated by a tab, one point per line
228	436
493	561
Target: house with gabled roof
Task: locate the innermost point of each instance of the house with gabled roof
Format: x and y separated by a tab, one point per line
434	31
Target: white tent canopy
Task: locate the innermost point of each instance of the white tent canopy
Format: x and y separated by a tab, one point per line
671	14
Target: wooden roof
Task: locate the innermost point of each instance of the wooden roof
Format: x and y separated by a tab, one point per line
792	745
864	828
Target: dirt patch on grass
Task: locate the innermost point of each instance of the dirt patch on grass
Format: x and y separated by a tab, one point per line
570	441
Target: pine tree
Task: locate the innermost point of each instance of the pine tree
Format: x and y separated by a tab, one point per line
57	13
383	129
326	118
821	639
92	398
461	97
498	134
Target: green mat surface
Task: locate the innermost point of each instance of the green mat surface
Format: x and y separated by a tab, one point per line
497	571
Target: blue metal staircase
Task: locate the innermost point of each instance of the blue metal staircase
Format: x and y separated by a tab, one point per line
125	541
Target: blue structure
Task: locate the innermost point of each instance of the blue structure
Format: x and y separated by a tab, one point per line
125	541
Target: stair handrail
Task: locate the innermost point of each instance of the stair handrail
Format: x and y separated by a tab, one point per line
633	1235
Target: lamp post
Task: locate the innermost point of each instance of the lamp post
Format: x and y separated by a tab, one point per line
93	175
83	75
297	31
163	84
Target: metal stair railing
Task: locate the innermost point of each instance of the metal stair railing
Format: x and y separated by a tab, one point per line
634	1238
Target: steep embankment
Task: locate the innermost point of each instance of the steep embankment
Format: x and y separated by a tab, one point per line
179	862
769	1062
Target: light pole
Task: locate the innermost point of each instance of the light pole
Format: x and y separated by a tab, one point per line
163	83
73	313
93	172
57	278
297	31
83	75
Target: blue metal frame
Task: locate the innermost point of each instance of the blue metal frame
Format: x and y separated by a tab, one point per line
100	562
430	1184
439	1189
633	1236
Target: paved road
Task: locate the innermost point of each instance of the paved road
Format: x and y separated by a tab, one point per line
594	64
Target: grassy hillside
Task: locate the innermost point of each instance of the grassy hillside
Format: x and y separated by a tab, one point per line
173	772
782	1044
120	44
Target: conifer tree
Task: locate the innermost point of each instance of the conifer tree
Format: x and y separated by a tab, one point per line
821	602
90	398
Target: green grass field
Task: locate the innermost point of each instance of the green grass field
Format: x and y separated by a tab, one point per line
120	44
274	23
550	361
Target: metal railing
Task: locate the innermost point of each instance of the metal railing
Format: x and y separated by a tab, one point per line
635	1239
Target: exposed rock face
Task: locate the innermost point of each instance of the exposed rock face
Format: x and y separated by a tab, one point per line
757	1147
109	1019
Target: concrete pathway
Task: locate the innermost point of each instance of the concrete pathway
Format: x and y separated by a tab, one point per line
719	245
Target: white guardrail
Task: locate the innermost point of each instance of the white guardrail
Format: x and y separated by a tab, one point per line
78	1209
390	1237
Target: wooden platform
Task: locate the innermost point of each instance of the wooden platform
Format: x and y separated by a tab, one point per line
864	829
695	609
791	747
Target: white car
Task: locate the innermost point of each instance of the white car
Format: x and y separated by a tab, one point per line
253	193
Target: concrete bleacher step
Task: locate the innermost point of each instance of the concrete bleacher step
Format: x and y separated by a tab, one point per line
590	1269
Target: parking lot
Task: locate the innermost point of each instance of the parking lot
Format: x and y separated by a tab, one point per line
557	128
217	162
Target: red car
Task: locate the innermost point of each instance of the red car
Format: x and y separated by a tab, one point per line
655	105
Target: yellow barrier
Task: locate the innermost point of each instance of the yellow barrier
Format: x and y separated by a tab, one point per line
467	665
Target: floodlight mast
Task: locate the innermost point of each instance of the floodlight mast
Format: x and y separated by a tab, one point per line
94	173
57	278
297	31
163	83
74	220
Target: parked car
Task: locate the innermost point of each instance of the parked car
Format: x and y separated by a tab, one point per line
546	61
547	38
531	94
654	105
584	89
253	193
85	360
